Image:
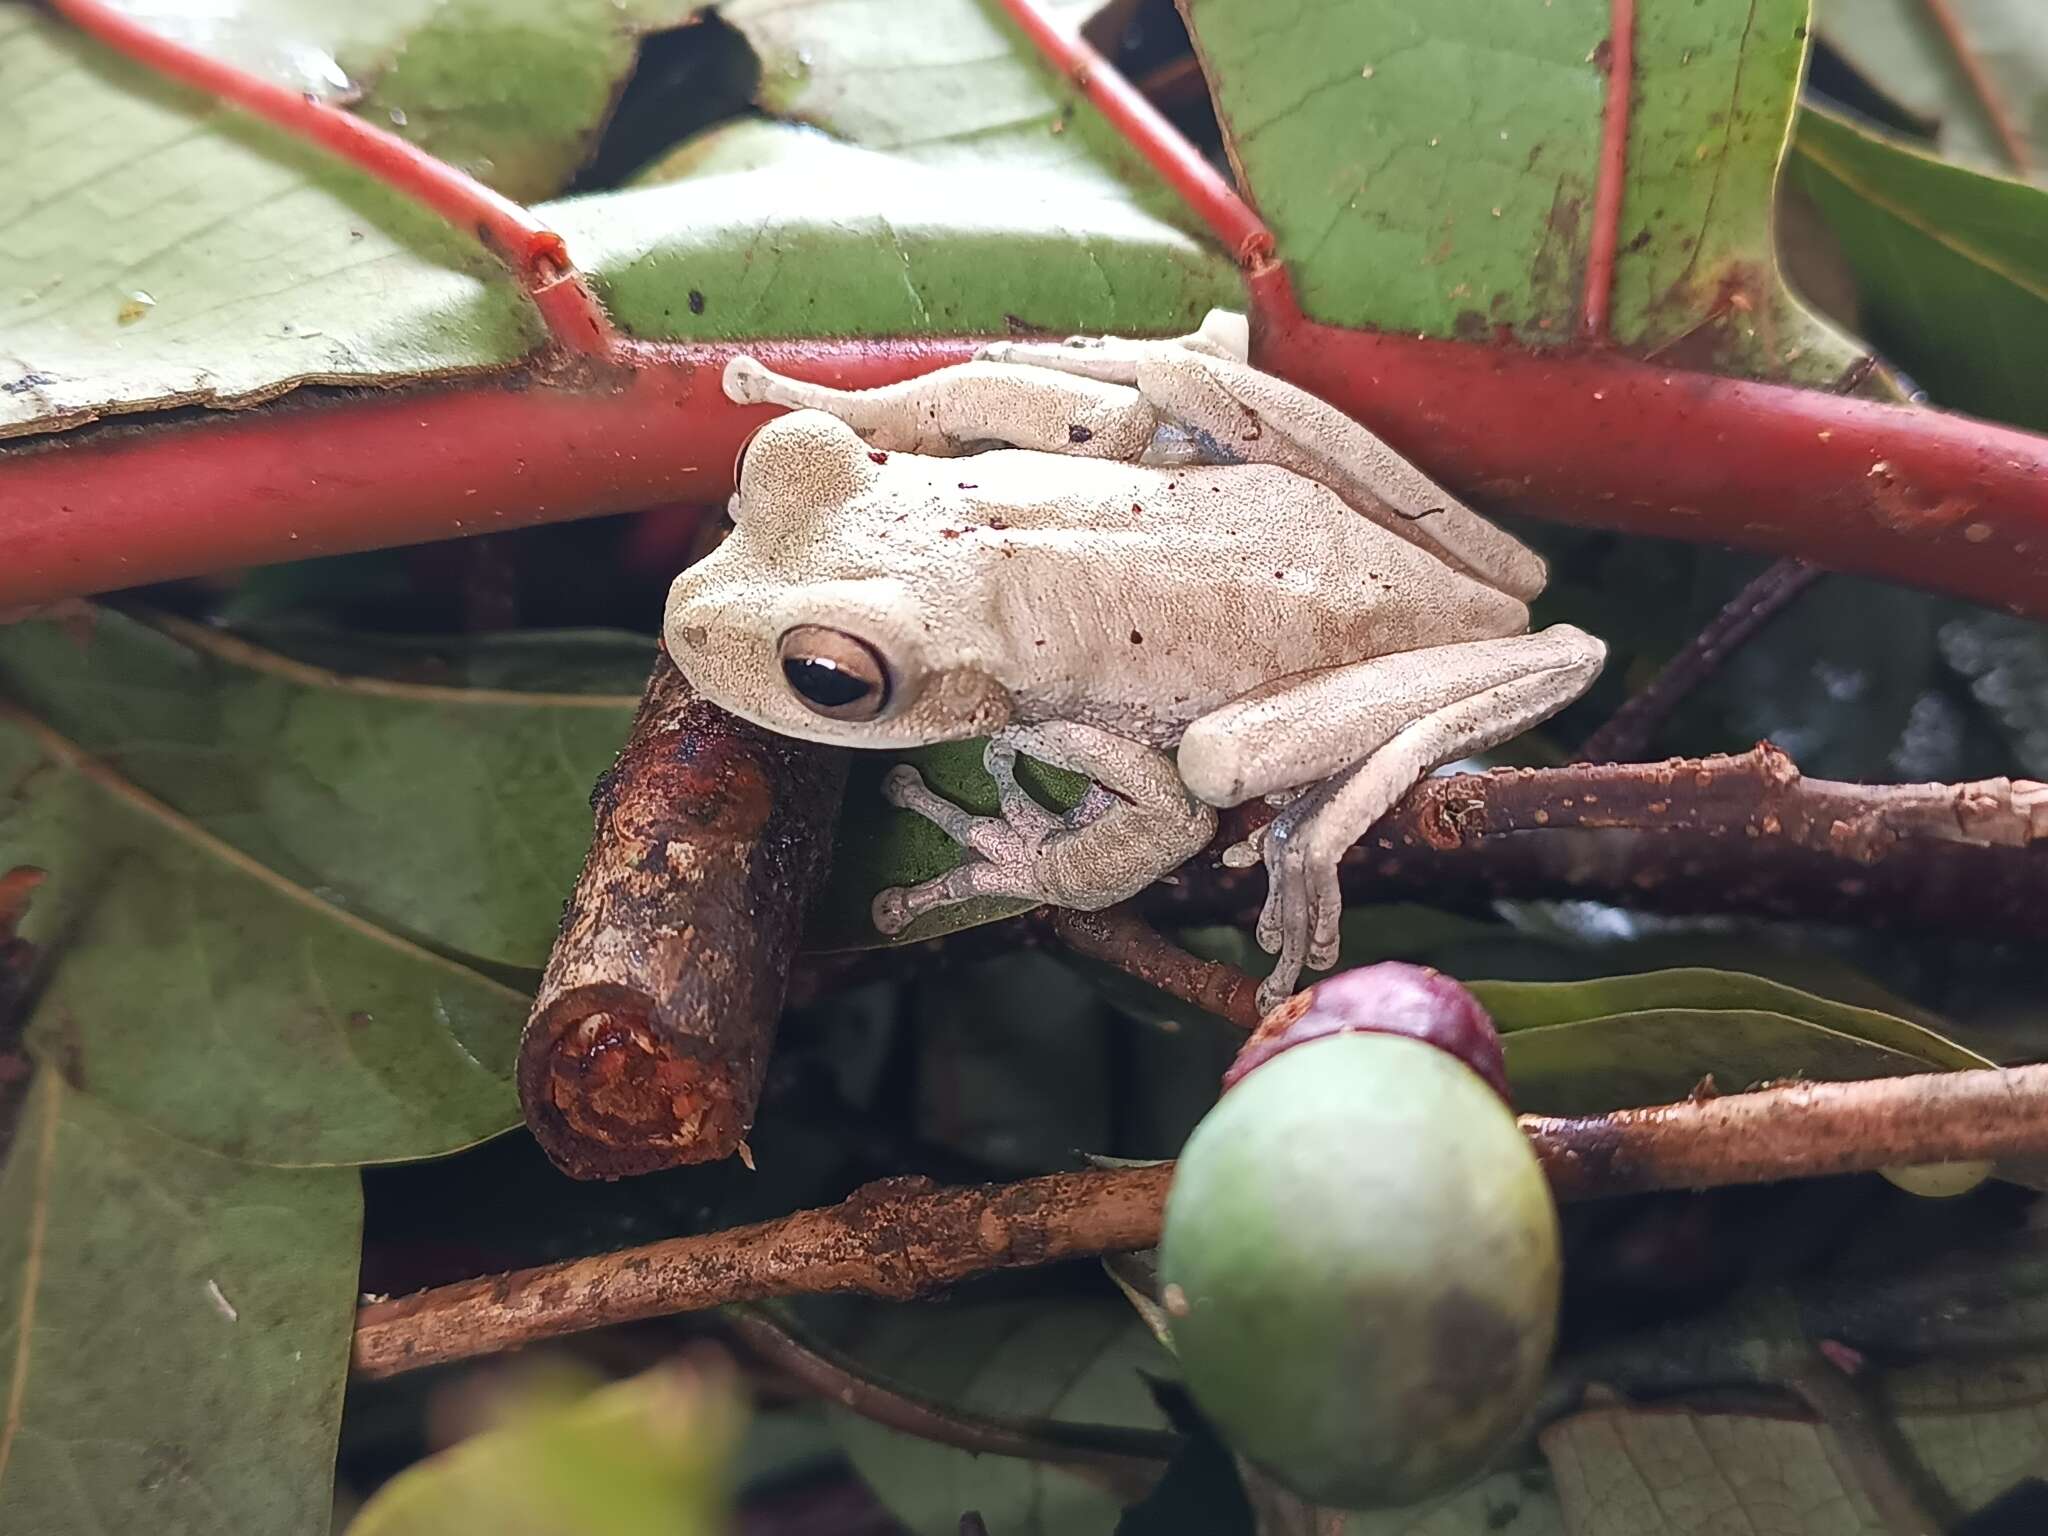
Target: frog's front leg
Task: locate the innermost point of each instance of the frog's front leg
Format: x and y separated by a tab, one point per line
1367	732
1135	824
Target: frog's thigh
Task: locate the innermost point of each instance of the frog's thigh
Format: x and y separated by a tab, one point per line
1242	416
1457	703
967	407
1301	730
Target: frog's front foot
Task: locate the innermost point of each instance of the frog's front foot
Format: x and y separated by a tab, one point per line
1108	847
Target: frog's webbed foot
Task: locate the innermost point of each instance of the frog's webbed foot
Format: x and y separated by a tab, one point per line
1364	733
1134	823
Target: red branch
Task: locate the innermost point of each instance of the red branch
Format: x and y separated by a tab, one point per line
1922	497
1613	176
535	253
1212	198
1986	90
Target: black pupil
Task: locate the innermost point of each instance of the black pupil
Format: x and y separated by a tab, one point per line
824	683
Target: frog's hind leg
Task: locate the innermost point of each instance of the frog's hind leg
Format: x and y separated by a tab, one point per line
1114	359
1235	414
1135	823
1368	732
966	408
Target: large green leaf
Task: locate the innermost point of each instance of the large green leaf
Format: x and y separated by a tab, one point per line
265	266
174	1329
1899	47
259	878
644	1457
453	811
1431	168
1951	265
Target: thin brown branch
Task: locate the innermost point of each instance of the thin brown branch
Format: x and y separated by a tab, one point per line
1870	1443
904	1238
1120	937
1744	833
1626	735
2004	122
1127	1461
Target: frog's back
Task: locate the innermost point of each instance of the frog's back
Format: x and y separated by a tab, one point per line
1143	597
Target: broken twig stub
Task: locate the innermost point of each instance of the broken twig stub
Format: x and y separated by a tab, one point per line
652	1027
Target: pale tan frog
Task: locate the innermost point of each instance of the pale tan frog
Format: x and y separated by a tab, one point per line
1147	562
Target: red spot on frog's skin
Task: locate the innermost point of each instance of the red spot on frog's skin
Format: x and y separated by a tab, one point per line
878	456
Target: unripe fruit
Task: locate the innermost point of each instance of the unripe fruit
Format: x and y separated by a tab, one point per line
1360	1258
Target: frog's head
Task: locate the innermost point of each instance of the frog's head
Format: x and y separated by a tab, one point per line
805	634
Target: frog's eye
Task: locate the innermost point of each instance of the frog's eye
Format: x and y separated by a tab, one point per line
833	673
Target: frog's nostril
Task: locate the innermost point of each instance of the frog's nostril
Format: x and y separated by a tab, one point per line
835	674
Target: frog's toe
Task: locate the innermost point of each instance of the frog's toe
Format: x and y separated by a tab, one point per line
903	784
748	381
892	911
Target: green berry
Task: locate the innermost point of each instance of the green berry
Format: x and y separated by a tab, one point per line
1360	1262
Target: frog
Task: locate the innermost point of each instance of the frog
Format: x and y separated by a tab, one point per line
1143	560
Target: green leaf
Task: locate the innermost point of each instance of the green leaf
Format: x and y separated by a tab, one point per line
1581	1047
1951	265
260	879
266	266
174	1329
1899	47
1072	1361
646	1457
1432	168
441	791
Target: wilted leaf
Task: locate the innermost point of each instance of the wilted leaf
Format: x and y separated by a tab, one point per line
1951	265
1899	47
174	1325
1077	1362
1622	1472
646	1457
258	878
1431	168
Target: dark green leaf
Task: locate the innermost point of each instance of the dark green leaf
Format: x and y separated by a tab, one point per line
174	1329
240	867
1951	266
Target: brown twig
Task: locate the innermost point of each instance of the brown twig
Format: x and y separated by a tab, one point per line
1626	734
1127	1461
1120	937
1744	833
1620	50
1997	109
651	1030
1870	1443
904	1238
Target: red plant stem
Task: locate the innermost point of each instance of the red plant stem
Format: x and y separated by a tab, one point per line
1613	174
536	255
1212	198
1986	90
1594	438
